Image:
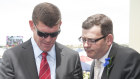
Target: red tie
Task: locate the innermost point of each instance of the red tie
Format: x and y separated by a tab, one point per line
44	68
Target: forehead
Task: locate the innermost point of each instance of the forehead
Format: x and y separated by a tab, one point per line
93	32
44	28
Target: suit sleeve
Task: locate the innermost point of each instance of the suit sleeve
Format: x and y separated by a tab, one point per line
78	69
6	69
132	68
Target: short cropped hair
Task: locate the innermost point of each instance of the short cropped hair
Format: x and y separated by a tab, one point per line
99	20
46	13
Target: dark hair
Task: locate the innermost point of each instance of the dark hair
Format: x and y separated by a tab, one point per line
100	20
46	13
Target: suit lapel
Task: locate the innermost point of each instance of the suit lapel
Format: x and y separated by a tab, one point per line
59	56
92	70
29	60
112	53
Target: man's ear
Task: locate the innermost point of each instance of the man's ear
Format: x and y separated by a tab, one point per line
60	24
109	39
31	24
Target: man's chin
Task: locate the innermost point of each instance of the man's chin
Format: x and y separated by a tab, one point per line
46	49
91	55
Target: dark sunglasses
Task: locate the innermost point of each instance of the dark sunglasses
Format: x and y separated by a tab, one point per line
45	34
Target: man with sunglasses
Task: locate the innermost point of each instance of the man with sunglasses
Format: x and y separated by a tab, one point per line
41	57
111	61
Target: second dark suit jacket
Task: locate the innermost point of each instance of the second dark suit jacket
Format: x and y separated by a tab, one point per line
125	64
19	63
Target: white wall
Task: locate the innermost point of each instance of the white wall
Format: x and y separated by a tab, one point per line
134	34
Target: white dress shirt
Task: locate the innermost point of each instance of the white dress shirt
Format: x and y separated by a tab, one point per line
51	58
103	61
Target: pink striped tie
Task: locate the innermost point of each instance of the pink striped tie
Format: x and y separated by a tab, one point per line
44	68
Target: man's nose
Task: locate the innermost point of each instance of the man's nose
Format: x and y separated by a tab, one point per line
48	39
85	44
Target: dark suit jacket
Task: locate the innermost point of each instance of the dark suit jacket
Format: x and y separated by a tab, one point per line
19	63
125	64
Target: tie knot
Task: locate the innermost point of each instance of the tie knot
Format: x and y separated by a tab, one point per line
44	54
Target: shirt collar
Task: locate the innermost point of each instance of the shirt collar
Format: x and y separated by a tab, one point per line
52	52
106	55
38	51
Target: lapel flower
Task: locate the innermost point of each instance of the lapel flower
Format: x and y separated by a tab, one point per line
108	64
106	61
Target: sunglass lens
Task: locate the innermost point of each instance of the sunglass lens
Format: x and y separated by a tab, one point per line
42	34
54	34
45	35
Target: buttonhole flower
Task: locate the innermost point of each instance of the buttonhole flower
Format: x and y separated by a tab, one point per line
108	64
